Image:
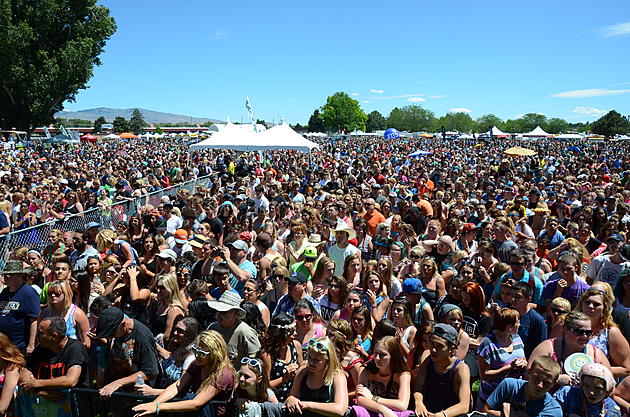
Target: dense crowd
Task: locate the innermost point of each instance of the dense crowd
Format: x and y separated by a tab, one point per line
355	280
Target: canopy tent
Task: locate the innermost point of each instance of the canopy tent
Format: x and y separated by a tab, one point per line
497	133
537	133
278	137
128	135
465	136
425	135
61	139
569	136
111	136
518	151
317	134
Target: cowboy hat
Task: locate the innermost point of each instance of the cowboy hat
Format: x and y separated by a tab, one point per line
343	227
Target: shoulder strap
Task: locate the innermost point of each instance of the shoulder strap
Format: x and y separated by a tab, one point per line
70	312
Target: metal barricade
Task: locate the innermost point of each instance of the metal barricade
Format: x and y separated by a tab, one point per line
36	237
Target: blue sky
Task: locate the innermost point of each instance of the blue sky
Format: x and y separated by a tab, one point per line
568	59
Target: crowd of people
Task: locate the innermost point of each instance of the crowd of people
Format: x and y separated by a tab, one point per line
357	281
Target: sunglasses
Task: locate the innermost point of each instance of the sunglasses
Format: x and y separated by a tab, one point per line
55	294
334	286
179	275
517	263
252	362
160	288
317	346
303	317
198	352
580	332
558	311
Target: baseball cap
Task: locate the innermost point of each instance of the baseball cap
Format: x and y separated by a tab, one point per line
92	224
446	332
197	241
108	322
181	236
412	286
297	278
240	245
615	236
469	227
245	236
310	253
167	254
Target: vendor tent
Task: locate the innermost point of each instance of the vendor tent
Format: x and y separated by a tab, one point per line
278	137
536	133
111	136
495	132
569	136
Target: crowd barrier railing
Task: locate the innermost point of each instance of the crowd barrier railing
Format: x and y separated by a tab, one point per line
36	237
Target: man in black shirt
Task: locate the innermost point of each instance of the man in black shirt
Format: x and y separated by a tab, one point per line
57	363
132	352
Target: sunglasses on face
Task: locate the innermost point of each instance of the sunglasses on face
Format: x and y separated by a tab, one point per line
185	274
303	317
580	332
160	288
332	286
56	294
198	352
558	311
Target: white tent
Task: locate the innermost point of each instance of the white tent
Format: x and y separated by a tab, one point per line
278	137
465	136
111	136
497	133
537	133
569	136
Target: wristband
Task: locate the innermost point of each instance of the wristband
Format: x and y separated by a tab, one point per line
157	408
375	398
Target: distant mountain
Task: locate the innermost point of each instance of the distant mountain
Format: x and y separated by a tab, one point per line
150	116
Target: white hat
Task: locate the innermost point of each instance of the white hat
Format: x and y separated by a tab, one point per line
229	300
343	227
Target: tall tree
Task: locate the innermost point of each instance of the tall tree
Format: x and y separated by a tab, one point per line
460	122
137	123
98	123
121	124
611	124
315	122
343	113
375	121
412	118
557	125
529	122
487	122
48	50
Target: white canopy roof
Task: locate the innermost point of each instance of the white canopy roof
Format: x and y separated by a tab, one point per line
538	133
111	136
278	137
569	136
496	132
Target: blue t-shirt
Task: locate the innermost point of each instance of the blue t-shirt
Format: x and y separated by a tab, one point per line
237	284
216	292
533	330
512	391
286	303
16	311
528	278
4	222
572	401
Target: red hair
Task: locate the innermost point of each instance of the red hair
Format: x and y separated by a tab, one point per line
9	352
477	298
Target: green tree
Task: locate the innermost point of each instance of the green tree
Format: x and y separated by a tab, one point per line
460	122
514	126
557	125
375	121
206	124
158	130
137	123
98	123
120	124
611	124
73	122
412	118
531	120
315	122
487	122
49	49
343	113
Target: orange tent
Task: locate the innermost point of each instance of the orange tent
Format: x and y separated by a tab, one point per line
128	135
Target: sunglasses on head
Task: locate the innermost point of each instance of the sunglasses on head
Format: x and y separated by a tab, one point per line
252	362
580	332
198	352
318	346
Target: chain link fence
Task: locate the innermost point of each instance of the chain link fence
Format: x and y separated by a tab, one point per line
36	237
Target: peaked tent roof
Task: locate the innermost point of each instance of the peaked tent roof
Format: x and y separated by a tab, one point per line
496	132
538	133
235	138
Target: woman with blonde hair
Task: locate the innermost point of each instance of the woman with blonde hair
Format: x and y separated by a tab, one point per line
11	363
318	285
169	307
107	243
320	388
340	334
59	298
385	267
432	281
412	263
210	377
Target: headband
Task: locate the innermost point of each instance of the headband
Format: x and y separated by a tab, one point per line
284	326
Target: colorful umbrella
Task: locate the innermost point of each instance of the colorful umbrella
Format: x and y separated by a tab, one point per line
128	135
518	151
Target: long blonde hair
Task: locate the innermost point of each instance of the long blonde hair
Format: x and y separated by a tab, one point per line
104	240
333	366
175	296
217	355
67	294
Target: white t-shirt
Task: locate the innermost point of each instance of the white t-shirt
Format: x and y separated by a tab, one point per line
339	256
603	269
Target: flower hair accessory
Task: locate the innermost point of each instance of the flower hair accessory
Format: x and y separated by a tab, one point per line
284	326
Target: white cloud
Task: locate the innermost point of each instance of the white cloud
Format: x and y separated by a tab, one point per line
460	110
354	94
397	97
376	91
220	34
590	92
416	100
438	96
615	30
365	101
591	111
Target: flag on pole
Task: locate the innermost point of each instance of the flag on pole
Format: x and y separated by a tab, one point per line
250	112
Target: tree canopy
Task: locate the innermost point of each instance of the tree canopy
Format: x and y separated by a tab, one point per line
137	123
412	118
121	124
611	124
315	122
343	113
48	49
375	121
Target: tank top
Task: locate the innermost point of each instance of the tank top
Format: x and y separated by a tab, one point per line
323	394
278	369
71	328
439	389
352	384
601	341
